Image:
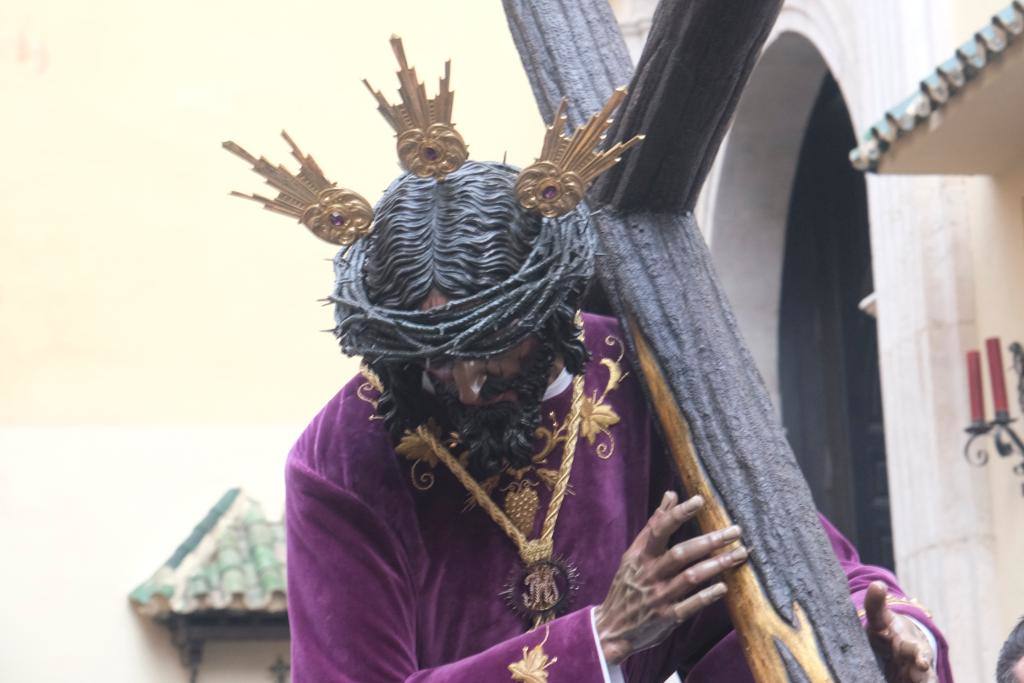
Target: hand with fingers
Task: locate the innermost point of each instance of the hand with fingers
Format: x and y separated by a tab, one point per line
900	644
656	587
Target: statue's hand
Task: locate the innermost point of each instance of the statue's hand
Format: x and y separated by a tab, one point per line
657	588
906	652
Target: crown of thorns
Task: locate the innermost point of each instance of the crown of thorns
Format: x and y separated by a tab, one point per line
560	262
429	146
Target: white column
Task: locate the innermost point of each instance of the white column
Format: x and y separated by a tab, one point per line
941	516
942	519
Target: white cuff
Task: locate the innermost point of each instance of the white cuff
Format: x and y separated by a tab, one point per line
613	673
924	629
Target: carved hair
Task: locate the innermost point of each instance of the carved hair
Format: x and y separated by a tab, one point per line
465	236
506	271
1011	654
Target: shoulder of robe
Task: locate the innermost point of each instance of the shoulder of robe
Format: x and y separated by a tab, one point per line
600	326
606	341
347	445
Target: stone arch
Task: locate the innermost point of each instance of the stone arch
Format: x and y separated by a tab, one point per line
746	208
941	516
790	240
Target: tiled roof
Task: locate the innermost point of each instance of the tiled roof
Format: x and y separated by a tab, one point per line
945	82
232	561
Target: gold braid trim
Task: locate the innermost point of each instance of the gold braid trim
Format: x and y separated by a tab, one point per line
532	668
471	485
529	550
568	454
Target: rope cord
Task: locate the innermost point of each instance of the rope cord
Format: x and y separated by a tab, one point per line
540	548
568	453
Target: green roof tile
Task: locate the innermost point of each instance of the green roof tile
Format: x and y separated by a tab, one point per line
944	82
233	559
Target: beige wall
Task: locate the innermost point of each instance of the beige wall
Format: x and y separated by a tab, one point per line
133	288
967	16
159	341
997	239
89	512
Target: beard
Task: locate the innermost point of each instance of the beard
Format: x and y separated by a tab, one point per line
500	436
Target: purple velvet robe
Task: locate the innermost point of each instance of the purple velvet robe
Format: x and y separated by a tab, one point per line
390	578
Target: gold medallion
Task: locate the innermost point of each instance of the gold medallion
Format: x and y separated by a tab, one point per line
543	590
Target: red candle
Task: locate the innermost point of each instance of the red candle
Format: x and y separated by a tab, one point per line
995	373
974	384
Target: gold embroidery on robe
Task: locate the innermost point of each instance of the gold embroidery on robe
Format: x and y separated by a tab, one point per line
372	383
598	416
552	437
521	504
532	668
416	449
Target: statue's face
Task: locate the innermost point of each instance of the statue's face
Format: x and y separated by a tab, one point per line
483	381
493	403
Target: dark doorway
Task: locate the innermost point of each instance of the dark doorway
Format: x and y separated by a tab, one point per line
828	352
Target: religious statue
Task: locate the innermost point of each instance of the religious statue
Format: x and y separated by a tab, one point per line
491	498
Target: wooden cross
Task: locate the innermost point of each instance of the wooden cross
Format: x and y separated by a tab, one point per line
790	604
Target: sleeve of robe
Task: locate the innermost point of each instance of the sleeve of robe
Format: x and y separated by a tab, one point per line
860	577
352	607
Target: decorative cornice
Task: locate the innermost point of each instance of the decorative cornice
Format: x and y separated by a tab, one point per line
939	87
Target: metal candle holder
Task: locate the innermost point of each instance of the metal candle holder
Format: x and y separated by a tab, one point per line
1006	439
